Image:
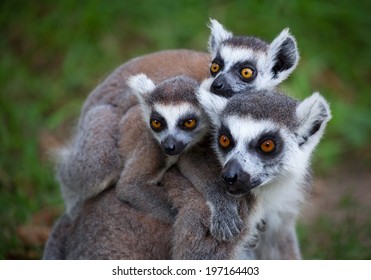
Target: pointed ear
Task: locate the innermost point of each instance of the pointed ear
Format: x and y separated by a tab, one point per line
283	56
217	36
212	104
141	85
312	114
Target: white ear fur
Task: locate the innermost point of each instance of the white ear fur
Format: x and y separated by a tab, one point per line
217	36
312	113
141	85
283	56
212	104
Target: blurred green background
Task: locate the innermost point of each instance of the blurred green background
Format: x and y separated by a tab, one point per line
53	54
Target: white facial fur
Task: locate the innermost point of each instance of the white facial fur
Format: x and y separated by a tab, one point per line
283	181
211	103
283	51
283	175
233	55
172	114
175	113
244	131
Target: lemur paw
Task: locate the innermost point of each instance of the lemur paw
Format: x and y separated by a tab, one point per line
252	243
225	224
261	226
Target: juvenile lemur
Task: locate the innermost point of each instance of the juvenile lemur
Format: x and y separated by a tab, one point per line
169	124
91	161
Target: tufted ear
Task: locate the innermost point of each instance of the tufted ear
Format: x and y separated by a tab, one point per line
141	85
283	56
217	36
312	114
212	104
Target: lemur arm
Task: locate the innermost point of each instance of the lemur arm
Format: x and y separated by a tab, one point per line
145	196
191	238
199	166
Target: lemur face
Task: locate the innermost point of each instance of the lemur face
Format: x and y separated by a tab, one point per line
264	136
177	126
254	152
240	64
171	111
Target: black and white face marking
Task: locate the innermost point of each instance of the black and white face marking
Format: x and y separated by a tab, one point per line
264	136
243	63
253	153
177	126
171	111
231	78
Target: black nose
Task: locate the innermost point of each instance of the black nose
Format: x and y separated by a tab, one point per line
172	146
169	149
230	178
217	85
221	87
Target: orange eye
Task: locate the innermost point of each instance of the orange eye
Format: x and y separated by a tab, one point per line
214	68
224	141
267	146
156	124
247	72
190	123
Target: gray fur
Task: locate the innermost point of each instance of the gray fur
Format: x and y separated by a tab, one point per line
271	63
279	180
107	228
249	42
175	90
145	162
264	105
91	161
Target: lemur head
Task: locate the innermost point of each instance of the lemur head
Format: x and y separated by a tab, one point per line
241	63
171	111
264	137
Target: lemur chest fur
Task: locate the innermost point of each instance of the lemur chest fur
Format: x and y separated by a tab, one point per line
169	161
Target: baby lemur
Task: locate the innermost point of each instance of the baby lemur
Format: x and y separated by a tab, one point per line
170	123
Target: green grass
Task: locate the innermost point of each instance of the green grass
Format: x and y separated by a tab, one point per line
345	240
53	54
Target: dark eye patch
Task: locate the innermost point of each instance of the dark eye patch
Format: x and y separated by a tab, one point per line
246	64
157	116
268	135
225	131
186	117
218	60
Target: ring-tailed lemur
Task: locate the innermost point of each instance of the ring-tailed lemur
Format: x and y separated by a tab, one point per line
264	141
172	123
243	63
91	162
